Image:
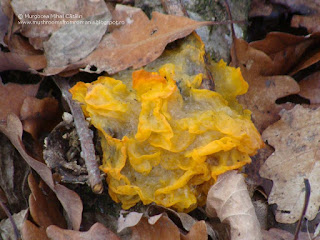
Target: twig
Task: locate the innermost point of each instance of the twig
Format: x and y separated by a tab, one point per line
305	207
15	228
87	147
234	37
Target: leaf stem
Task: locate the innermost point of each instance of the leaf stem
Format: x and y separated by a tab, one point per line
14	226
305	207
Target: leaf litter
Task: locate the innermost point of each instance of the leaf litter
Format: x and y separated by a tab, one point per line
268	67
296	142
69	199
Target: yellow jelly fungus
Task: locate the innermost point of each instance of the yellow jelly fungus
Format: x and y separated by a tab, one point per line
164	139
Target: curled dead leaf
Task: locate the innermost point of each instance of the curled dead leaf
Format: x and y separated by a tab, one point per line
44	206
70	201
229	198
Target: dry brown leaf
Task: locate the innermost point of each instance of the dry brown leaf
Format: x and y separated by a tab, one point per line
198	231
96	232
164	228
12	61
6	228
261	69
13	173
307	10
252	170
179	219
37	30
296	141
283	50
311	23
4	22
72	43
230	200
301	6
260	8
70	201
44	207
31	232
279	234
12	96
6	7
39	115
310	88
132	219
310	59
138	42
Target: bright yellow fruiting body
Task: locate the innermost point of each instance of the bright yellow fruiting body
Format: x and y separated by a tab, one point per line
164	139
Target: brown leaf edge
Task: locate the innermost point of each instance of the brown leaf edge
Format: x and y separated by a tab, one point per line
70	200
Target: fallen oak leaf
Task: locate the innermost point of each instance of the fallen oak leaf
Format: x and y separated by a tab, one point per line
279	234
301	6
164	228
183	220
137	43
283	49
197	231
72	43
14	61
159	227
70	201
33	59
230	200
30	231
44	210
12	96
4	22
310	88
311	23
39	115
44	207
96	232
10	231
296	141
132	219
266	86
13	174
39	31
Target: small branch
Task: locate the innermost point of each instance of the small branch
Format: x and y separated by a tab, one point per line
14	226
85	136
305	207
234	37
